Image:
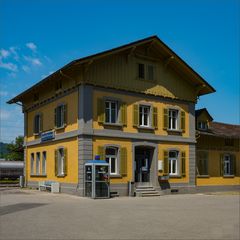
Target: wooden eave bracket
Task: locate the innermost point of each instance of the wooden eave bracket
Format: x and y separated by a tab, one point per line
168	61
87	65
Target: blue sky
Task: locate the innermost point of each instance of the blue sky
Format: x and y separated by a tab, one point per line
38	37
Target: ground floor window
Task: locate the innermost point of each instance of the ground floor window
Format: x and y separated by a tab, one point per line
112	158
32	163
38	163
44	159
227	165
173	162
61	162
202	163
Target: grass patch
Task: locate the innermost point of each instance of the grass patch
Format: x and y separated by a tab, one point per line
8	181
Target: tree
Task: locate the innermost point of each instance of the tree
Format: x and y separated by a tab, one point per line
16	150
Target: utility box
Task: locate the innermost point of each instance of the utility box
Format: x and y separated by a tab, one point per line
97	181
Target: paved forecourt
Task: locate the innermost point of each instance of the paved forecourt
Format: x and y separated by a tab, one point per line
29	214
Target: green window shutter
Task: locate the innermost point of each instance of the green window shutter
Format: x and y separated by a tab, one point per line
34	124
100	110
55	117
166	163
221	165
183	122
183	161
65	114
155	117
41	122
165	118
233	165
56	162
135	115
123	110
65	161
101	152
206	164
123	165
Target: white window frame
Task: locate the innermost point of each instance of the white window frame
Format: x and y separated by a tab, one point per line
202	125
171	119
170	162
32	163
44	163
38	160
109	159
110	102
60	168
142	115
227	165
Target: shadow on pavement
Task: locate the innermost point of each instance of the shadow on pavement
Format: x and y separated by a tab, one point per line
19	207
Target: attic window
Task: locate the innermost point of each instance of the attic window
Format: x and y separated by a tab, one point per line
36	97
58	85
229	142
141	71
202	125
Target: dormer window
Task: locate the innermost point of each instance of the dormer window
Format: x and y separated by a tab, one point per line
202	125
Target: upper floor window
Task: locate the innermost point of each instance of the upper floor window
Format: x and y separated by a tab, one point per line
146	71
173	162
112	159
60	116
229	142
35	97
111	112
202	125
172	119
144	116
58	85
37	124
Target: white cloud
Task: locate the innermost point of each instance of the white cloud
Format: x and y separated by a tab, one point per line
9	66
13	50
31	46
4	53
26	68
4	115
3	93
33	61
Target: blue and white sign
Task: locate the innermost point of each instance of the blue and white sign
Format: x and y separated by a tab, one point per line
46	136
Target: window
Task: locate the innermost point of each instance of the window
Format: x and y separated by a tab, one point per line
141	71
202	163
173	119
111	158
229	142
38	163
60	163
111	112
44	159
58	85
37	124
35	97
32	163
60	116
145	71
227	165
144	116
202	125
173	162
150	72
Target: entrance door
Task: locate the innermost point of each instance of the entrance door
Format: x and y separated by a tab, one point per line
142	164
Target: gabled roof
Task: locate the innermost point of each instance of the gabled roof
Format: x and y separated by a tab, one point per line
222	130
204	87
200	111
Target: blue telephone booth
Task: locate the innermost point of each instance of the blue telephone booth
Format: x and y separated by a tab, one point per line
97	184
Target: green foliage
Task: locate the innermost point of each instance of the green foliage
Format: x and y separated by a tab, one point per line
15	150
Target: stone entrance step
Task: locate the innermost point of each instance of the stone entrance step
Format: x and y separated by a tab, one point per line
146	191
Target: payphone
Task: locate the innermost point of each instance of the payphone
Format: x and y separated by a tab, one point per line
97	184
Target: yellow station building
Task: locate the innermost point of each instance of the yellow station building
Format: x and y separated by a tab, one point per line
133	105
